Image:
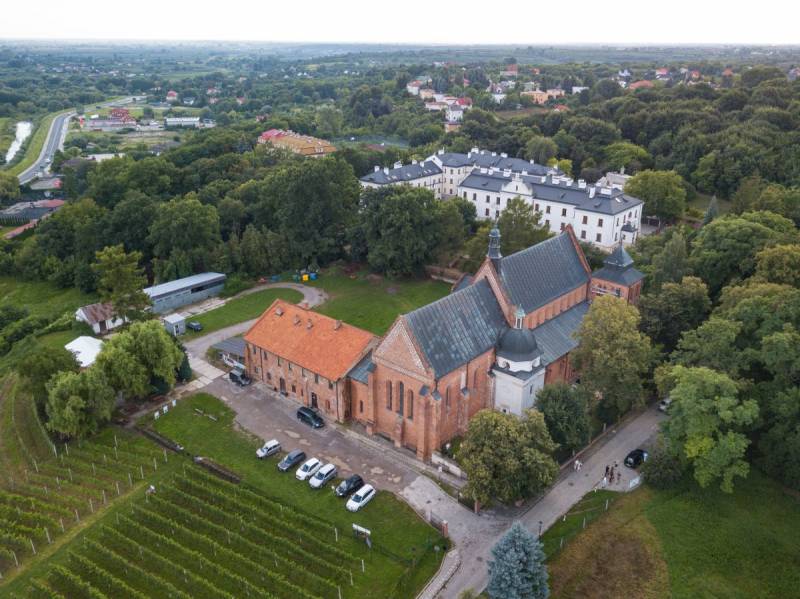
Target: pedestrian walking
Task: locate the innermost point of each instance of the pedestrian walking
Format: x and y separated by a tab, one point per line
607	469
619	477
604	484
616	464
580	465
575	466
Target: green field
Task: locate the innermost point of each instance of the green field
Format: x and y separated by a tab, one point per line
688	543
373	303
403	552
240	309
41	298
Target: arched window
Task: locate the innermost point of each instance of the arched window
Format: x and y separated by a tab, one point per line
401	396
410	405
388	395
447	399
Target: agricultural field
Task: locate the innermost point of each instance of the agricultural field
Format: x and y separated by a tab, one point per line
195	536
404	554
373	302
48	491
686	542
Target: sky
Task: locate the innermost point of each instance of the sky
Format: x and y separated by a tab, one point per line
526	22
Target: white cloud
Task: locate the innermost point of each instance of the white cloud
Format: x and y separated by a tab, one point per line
409	21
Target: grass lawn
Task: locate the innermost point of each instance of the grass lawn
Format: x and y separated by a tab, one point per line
687	543
395	527
41	297
702	200
245	307
374	303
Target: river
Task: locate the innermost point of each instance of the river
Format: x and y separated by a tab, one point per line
24	129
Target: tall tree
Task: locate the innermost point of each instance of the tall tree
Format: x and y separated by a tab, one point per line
9	188
184	235
708	424
40	365
120	281
133	360
520	226
663	193
566	414
676	308
505	457
612	356
779	264
78	403
517	569
400	228
672	262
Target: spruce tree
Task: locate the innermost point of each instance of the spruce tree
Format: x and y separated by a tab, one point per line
517	570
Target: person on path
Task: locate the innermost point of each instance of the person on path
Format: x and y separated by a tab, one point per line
611	475
604	484
580	465
607	469
619	477
575	466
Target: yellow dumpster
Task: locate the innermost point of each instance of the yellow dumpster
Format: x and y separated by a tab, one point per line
305	277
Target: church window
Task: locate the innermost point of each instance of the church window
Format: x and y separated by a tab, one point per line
411	405
401	396
388	395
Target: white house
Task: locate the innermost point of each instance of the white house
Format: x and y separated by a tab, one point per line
455	114
85	349
101	317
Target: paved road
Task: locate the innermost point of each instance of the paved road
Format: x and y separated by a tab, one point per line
55	141
476	535
198	346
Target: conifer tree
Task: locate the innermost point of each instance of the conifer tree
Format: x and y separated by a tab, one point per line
517	569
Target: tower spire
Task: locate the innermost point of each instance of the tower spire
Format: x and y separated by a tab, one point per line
493	252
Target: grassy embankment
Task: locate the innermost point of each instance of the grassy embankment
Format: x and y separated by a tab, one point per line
686	543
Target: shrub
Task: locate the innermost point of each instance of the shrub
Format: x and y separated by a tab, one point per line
664	467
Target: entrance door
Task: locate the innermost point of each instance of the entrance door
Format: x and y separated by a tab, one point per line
283	387
313	400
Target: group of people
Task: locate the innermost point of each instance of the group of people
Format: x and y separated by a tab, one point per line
611	472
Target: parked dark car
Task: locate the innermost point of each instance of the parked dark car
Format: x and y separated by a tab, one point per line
349	485
239	377
636	458
291	460
194	325
310	417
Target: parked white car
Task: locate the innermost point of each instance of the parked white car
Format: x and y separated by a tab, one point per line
664	404
325	474
269	448
360	498
308	469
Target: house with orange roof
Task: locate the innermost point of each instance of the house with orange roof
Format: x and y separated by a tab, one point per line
306	356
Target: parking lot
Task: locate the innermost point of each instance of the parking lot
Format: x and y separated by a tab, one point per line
268	416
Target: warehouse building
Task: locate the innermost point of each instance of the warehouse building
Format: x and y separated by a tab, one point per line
167	297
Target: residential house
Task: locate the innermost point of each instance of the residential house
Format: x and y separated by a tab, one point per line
100	316
643	84
296	143
172	96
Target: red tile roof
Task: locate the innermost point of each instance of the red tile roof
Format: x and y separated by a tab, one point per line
641	84
313	341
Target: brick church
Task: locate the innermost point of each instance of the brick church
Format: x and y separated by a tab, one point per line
492	343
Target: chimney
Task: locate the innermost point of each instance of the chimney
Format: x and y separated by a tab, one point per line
581	184
377	168
503	155
279	311
385	170
532	161
591	191
296	319
398	164
337	325
309	324
494	153
413	161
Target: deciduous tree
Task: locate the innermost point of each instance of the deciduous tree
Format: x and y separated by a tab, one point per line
675	308
612	356
120	281
566	414
78	403
663	193
708	424
520	226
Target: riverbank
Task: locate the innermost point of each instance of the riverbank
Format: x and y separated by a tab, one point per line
22	131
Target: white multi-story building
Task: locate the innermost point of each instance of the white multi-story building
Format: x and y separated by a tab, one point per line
600	215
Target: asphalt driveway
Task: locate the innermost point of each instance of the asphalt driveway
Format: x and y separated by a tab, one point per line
270	416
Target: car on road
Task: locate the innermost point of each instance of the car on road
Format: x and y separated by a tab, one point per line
308	469
360	498
349	485
310	417
269	448
664	404
325	474
291	459
194	325
239	377
636	458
